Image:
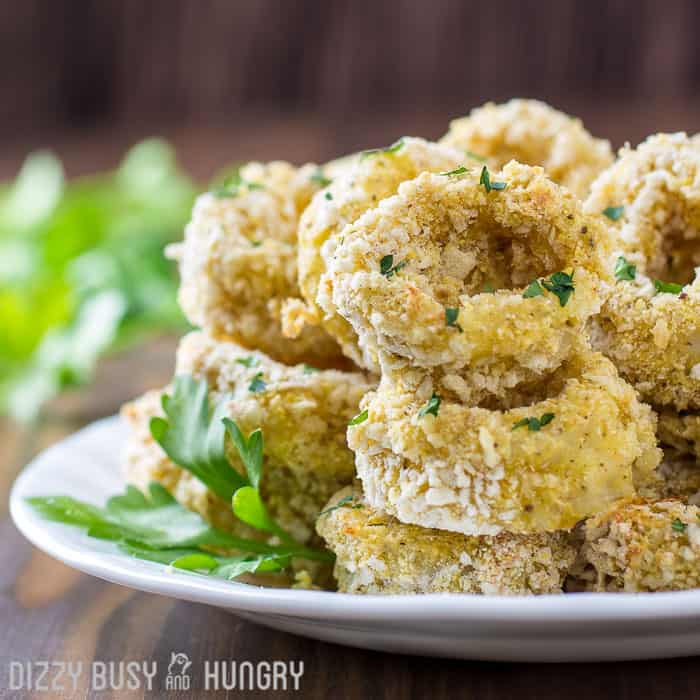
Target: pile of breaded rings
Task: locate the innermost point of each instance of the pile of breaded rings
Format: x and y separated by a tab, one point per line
479	357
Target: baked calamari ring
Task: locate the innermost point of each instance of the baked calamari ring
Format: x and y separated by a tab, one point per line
456	273
641	546
654	340
579	443
533	133
358	187
375	553
238	263
303	415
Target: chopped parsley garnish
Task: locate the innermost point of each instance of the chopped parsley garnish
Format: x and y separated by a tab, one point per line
342	503
678	525
232	186
320	179
387	267
624	271
360	418
534	289
485	180
534	424
250	361
328	196
258	384
457	171
614	213
451	316
396	146
433	406
667	287
155	527
308	369
562	285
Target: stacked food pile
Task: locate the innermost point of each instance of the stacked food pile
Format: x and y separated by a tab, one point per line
471	328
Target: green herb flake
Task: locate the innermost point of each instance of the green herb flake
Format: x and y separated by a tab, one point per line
476	156
308	369
250	361
678	525
614	213
258	384
534	424
667	287
394	148
360	418
624	271
432	407
451	315
328	196
387	267
485	180
534	289
342	503
233	185
320	179
562	285
454	173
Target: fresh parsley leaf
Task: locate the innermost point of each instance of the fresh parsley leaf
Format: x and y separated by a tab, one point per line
396	146
433	406
360	418
387	267
328	196
534	424
485	180
257	384
249	507
250	361
534	289
308	369
667	287
249	449
320	179
451	316
614	213
624	270
193	436
678	525
457	171
562	285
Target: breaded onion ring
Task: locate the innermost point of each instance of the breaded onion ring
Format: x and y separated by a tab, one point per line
375	553
238	263
416	275
641	546
303	415
651	329
533	133
582	441
358	187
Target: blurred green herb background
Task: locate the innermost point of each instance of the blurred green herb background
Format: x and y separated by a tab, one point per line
82	271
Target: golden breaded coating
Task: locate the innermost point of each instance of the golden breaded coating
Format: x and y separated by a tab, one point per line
303	416
372	177
375	553
657	187
680	431
533	133
654	340
641	546
238	263
445	244
581	442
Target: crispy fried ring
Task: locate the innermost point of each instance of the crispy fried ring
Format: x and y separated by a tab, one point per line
375	553
238	263
482	471
533	133
440	243
360	185
652	195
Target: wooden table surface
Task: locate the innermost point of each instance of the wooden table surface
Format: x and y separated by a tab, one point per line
51	612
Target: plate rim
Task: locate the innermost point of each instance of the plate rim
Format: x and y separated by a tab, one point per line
550	609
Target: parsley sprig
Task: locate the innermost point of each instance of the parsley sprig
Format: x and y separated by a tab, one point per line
394	148
614	213
561	284
154	526
387	267
485	180
624	271
319	178
533	423
667	287
344	502
432	407
678	525
451	316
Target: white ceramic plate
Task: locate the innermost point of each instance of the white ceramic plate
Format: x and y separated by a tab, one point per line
581	627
